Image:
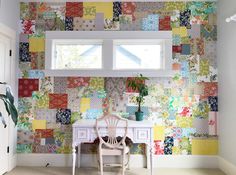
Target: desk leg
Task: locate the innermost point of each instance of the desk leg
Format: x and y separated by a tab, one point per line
74	159
148	155
79	154
151	159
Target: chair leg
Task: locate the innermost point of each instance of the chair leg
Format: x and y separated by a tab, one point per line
128	164
101	162
123	164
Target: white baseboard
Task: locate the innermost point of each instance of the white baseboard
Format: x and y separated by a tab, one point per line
136	161
12	162
227	167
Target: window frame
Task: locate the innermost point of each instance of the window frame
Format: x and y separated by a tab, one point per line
109	38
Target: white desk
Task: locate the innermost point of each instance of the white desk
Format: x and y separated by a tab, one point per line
138	132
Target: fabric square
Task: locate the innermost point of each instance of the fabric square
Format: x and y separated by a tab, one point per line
115	87
168	144
209	32
44	133
89	11
24	148
184	69
195	31
39	124
187	132
164	23
36	74
73	82
36	44
69	24
209	89
58	101
158	147
63	116
110	24
37	60
74	9
177	132
184	122
24	38
27	26
128	8
213	101
46	84
98	7
96	103
77	23
181	31
201	126
73	99
159	133
24	54
205	147
151	23
49	141
176	40
212	122
96	83
60	85
117	10
27	86
176	49
46	114
99	22
24	137
94	113
186	49
185	18
204	67
197	46
41	100
88	25
84	104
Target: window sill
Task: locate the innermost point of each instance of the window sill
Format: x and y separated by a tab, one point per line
109	73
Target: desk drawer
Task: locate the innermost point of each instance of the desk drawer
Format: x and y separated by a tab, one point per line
83	134
142	135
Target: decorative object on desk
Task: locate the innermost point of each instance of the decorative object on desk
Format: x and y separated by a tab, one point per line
137	84
8	100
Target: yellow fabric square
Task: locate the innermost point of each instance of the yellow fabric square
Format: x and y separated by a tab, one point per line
182	31
159	133
100	7
204	147
84	104
36	44
39	124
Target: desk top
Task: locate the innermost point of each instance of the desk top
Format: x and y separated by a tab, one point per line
131	123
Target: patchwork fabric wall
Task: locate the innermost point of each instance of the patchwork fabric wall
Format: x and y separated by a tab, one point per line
183	108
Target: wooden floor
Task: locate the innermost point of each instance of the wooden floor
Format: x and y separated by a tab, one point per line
93	171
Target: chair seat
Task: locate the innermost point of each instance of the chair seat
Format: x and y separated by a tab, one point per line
113	152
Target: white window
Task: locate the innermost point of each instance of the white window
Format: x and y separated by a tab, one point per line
108	53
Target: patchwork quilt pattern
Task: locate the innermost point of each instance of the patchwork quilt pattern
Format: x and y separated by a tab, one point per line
183	108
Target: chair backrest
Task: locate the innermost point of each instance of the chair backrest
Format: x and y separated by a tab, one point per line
109	123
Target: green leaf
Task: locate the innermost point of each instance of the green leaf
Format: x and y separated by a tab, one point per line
9	95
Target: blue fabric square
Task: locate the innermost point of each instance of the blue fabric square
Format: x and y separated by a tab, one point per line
94	113
213	102
69	23
186	49
168	144
63	116
24	54
151	23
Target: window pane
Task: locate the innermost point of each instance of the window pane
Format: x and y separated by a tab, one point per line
78	56
138	56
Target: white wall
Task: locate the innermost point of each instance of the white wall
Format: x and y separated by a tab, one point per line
9	13
227	80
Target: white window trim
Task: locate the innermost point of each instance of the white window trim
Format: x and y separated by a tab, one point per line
108	51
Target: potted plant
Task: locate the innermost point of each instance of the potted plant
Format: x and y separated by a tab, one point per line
137	84
8	100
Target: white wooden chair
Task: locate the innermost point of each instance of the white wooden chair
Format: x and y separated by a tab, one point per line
111	146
